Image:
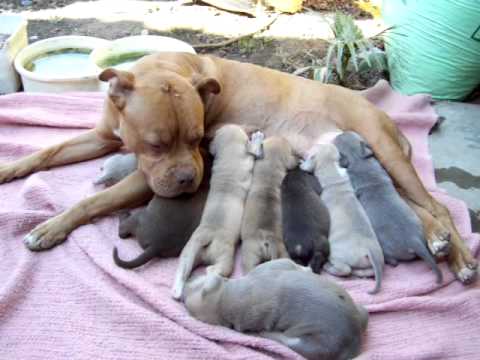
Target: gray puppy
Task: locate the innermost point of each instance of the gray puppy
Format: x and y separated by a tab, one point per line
115	168
284	302
261	231
398	228
165	225
305	220
354	248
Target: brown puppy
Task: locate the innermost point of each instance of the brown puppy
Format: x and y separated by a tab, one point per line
169	101
261	232
215	239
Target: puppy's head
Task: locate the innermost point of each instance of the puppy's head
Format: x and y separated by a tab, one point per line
202	295
226	137
323	155
352	147
278	148
161	119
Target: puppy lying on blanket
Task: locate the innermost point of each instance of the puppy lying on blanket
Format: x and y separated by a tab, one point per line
305	220
284	302
215	239
354	248
165	225
398	228
261	231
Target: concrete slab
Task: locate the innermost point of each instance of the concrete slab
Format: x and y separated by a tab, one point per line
455	149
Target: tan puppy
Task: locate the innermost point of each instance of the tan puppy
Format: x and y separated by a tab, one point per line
261	232
215	239
168	102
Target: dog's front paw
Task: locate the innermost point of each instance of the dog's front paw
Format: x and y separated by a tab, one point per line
439	242
463	265
255	144
47	234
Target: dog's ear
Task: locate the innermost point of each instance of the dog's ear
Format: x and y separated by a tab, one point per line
206	87
212	283
343	161
366	150
121	84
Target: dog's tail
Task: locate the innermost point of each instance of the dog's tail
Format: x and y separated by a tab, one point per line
377	260
141	259
422	252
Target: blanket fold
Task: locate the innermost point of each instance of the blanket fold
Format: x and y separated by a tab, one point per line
72	302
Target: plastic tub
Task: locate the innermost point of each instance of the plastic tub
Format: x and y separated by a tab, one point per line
62	64
13	38
123	53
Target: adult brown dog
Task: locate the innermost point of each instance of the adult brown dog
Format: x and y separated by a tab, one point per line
169	102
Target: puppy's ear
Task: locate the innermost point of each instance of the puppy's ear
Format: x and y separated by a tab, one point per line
366	150
206	87
121	85
213	147
212	283
308	164
343	161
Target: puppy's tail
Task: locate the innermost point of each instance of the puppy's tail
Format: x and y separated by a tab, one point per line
377	260
189	258
141	259
422	252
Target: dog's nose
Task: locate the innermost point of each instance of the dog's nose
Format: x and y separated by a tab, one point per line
185	176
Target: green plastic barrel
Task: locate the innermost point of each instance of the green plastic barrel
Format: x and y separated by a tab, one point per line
434	47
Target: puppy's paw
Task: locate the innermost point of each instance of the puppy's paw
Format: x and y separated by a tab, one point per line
317	262
177	290
439	243
47	234
255	144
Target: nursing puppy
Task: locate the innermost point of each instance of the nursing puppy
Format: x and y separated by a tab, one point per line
261	231
281	301
165	225
115	168
398	228
214	240
305	220
354	248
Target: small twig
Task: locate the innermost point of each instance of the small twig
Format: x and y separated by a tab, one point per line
235	39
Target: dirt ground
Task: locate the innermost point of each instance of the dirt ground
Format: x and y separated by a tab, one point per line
282	54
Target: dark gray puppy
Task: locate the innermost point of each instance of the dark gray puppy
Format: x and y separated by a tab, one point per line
165	225
398	228
284	302
305	219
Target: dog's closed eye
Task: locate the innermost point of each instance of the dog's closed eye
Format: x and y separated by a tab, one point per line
157	147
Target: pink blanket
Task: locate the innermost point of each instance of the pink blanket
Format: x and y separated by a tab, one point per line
73	303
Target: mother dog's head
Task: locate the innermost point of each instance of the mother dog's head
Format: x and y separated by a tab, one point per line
159	111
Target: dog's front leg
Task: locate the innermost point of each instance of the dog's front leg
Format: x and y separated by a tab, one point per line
89	145
130	192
